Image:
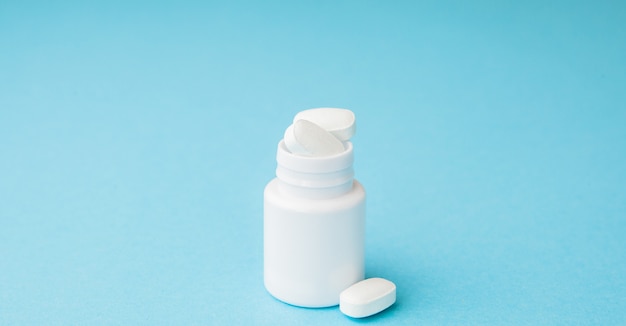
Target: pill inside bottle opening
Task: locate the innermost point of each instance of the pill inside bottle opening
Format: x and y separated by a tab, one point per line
320	132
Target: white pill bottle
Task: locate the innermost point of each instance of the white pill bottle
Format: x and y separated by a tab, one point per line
314	228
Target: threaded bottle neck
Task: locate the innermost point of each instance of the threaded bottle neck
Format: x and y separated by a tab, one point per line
314	177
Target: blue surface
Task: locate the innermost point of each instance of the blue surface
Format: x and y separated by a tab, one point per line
136	139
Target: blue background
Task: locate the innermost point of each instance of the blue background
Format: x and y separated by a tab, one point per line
136	139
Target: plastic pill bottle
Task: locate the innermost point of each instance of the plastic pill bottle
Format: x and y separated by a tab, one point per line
314	228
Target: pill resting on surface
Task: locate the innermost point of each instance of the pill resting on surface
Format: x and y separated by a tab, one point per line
307	138
339	122
367	297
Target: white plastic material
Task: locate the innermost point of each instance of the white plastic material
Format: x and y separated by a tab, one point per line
367	297
339	122
314	228
304	137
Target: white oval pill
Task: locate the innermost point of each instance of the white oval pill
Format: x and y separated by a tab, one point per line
307	138
292	144
367	297
339	122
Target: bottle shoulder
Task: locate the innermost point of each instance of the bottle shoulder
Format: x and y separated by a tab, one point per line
273	196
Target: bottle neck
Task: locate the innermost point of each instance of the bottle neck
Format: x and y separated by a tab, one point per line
314	177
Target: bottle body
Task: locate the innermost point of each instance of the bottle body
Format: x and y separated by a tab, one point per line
314	228
314	248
